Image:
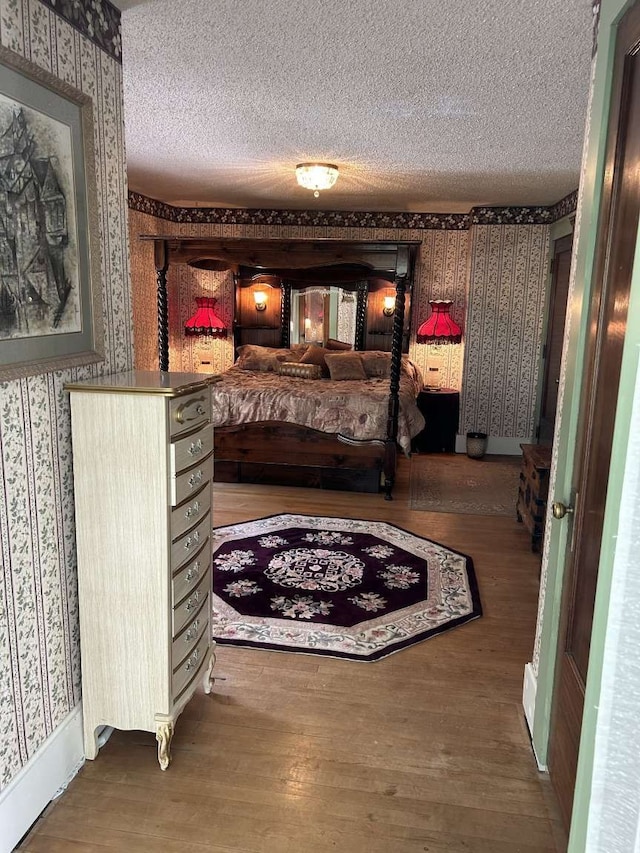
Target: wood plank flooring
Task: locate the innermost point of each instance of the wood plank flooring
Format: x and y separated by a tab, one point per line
426	750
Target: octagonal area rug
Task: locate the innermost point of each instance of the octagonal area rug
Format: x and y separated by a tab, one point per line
341	587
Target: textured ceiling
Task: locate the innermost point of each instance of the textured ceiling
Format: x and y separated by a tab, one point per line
424	106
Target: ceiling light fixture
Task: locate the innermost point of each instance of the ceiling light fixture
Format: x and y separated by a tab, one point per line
316	176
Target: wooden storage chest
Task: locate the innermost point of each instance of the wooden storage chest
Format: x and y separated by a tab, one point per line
533	490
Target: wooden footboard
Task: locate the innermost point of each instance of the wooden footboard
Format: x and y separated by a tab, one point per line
286	454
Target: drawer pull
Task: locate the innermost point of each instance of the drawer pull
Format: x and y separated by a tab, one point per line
193	602
192	540
194	572
194	509
195	448
192	633
193	660
195	479
182	414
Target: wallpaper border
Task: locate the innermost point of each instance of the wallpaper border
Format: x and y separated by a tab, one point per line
98	21
355	219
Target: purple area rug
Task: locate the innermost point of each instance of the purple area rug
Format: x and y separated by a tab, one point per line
335	586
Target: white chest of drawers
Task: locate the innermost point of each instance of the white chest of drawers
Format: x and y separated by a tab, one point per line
143	464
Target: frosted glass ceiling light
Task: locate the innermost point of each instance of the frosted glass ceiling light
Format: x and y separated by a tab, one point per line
316	176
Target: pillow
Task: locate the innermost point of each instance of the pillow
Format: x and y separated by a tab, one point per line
253	357
411	369
315	355
300	371
332	343
345	365
377	364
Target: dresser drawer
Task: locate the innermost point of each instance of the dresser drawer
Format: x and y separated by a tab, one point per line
184	674
188	638
190	605
190	575
187	515
187	546
188	451
189	411
188	482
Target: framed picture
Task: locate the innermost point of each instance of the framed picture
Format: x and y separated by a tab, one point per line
50	291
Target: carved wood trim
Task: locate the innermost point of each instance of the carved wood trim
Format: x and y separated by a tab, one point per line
361	315
161	261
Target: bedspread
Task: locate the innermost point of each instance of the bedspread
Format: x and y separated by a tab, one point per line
352	408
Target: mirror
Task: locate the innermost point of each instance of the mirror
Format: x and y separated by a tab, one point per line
319	313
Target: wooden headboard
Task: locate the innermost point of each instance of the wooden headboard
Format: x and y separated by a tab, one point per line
360	300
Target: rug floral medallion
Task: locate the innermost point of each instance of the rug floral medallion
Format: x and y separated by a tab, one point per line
335	586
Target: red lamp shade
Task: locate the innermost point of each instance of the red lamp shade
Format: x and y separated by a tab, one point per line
205	321
439	328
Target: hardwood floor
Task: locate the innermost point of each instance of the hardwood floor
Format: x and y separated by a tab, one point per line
426	750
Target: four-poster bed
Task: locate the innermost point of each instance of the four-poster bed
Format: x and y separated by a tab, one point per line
280	450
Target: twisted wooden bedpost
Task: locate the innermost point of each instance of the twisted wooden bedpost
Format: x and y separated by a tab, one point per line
285	314
161	260
394	378
362	290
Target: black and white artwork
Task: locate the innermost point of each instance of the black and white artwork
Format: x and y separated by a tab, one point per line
51	314
39	287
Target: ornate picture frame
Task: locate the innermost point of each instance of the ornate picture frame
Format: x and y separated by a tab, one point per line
51	314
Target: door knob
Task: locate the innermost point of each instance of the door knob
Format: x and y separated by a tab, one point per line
559	509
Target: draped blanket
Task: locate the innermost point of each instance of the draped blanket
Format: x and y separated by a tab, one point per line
353	408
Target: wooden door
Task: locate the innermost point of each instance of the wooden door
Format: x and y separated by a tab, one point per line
618	224
555	337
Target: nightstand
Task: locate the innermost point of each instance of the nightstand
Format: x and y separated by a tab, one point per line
440	407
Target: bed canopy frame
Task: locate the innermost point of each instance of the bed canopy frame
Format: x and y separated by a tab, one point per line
299	263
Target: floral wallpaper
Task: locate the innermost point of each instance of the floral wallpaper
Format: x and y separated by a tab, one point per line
39	644
442	274
503	331
355	219
97	20
297	218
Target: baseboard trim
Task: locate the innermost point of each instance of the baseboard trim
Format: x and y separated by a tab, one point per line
497	445
44	776
529	690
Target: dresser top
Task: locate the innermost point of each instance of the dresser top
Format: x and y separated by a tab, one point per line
145	382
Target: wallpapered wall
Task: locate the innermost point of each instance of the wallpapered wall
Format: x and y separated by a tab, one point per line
441	274
495	275
503	330
39	647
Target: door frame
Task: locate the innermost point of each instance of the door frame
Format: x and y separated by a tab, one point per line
560	230
539	675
